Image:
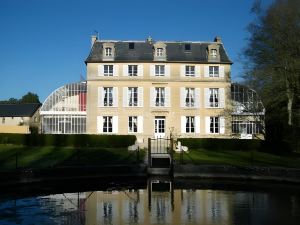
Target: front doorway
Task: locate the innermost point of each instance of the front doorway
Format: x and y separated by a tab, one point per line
159	126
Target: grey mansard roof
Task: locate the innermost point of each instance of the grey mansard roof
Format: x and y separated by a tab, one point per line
18	110
143	51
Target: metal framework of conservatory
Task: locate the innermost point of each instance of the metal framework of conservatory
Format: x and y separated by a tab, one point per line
64	110
248	111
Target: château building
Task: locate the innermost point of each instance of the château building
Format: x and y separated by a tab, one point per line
155	88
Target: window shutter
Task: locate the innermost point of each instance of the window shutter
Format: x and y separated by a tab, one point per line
197	71
207	125
115	124
100	97
125	96
125	70
100	70
197	124
222	125
140	124
140	97
152	97
167	97
167	70
115	70
221	71
206	97
206	71
197	97
152	70
222	97
182	70
115	97
183	123
99	124
140	70
182	97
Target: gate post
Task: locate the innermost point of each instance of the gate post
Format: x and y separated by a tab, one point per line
149	152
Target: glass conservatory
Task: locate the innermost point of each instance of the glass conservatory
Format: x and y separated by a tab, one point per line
248	112
64	110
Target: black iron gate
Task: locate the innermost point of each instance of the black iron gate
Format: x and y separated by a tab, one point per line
160	153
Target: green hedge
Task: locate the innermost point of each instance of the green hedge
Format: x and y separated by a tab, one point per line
77	140
222	144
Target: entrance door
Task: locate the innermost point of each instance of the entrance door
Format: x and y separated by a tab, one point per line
159	126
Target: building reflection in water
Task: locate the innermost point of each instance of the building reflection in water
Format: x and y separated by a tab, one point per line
159	204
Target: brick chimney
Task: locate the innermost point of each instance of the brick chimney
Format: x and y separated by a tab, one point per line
218	39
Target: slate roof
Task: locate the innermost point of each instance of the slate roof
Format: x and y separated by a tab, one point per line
143	51
18	110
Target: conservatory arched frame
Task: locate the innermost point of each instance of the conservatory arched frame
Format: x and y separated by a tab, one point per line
248	111
64	110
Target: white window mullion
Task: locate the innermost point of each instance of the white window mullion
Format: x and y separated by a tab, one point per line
167	97
222	97
125	96
206	97
183	124
115	124
207	125
140	70
125	70
197	98
100	124
197	71
140	124
115	70
221	71
222	125
115	97
100	70
206	71
197	124
140	97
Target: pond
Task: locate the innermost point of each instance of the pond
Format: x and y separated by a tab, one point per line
159	201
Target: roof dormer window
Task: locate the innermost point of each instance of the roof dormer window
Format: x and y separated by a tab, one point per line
187	47
213	53
131	45
108	51
159	52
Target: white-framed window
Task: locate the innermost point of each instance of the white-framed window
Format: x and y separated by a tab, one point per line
214	97
190	71
190	97
190	124
213	53
160	70
214	125
132	96
159	52
132	124
108	51
132	70
108	96
159	96
108	70
107	124
214	71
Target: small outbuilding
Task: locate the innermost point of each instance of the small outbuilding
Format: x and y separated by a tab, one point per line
19	118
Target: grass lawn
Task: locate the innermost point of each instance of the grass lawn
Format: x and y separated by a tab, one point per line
239	158
44	157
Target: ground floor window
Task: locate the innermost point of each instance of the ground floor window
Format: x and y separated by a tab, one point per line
132	124
214	125
107	124
190	124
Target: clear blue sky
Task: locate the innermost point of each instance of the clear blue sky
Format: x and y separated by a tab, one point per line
43	43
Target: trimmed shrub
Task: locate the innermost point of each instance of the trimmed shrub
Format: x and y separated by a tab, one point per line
77	140
222	144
